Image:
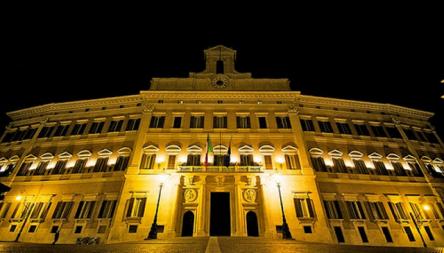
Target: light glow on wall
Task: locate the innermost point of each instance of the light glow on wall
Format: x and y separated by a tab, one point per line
233	159
33	166
257	159
160	159
370	164
280	159
70	163
349	163
91	162
406	166
112	160
389	166
328	162
183	159
51	165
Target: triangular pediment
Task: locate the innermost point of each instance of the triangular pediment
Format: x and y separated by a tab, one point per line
375	155
3	160
393	156
409	158
65	155
266	149
124	151
316	151
173	149
150	148
289	149
426	159
220	149
84	153
194	148
47	156
245	149
14	158
105	152
30	157
335	153
437	160
355	154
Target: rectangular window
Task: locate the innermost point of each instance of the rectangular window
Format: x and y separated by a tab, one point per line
177	122
398	211
409	233
148	161
262	122
79	166
61	130
115	126
421	135
121	163
46	132
132	229
399	170
220	122
380	168
32	229
283	122
243	122
40	210
59	168
304	208
101	165
219	160
376	210
246	160
378	131
393	132
333	209
133	125
307	229
157	121
96	127
4	208
78	129
29	133
171	162
41	168
325	126
339	166
307	125
24	169
78	229
387	235
343	128
361	129
363	234
136	207
416	211
197	121
355	210
410	134
292	162
85	210
360	166
193	160
268	162
318	164
429	233
431	137
339	234
62	210
107	209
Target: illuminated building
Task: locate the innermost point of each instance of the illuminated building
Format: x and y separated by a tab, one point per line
348	171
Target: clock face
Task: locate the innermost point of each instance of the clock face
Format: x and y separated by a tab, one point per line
220	81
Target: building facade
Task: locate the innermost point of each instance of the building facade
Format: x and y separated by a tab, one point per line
220	153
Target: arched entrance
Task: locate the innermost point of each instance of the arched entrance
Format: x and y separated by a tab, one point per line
252	226
188	223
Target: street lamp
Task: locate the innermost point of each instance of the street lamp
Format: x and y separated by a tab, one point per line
27	213
285	230
153	231
414	218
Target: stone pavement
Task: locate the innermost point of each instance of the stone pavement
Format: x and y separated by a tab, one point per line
207	245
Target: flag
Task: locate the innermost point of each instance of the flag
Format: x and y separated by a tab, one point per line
209	149
227	157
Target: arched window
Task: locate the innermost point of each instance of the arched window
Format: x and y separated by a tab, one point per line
102	161
317	160
122	160
291	157
149	157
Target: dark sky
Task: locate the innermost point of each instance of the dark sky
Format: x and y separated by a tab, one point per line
379	55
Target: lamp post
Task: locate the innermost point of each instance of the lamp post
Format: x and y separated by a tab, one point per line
27	213
285	230
414	218
153	231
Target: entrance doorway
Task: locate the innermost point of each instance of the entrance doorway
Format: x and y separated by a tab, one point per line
252	227
220	224
188	223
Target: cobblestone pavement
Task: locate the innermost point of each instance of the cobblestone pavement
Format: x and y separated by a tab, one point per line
206	245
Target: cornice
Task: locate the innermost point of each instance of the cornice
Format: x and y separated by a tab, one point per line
241	95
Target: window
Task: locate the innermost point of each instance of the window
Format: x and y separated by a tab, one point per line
85	210
333	209
339	165
343	128
292	162
121	163
46	131
380	168
41	168
133	125
376	210
61	130
193	160
136	208
243	122
24	169
40	210
12	228
387	235
283	122
101	165
325	126
62	210
363	234
171	162
420	135
246	160
355	210
4	208
339	234
361	129
78	129
393	132
96	127
307	125
307	229
79	166
360	166
409	233
304	208
410	134
398	211
429	233
197	121
318	164
101	229
416	211
262	122
220	122
29	133
107	209
268	162
177	122
219	67
59	168
132	229
399	170
32	229
157	121
219	160
148	161
78	229
431	137
378	131
115	126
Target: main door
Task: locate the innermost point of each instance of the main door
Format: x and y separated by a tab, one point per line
220	223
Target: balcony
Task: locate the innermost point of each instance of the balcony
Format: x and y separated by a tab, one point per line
220	169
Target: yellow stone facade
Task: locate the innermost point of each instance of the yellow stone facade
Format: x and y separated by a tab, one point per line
349	172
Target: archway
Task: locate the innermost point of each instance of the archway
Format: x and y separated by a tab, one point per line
188	223
252	226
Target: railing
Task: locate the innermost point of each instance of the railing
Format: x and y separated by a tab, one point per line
219	169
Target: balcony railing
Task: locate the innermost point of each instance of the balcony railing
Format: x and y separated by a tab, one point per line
219	169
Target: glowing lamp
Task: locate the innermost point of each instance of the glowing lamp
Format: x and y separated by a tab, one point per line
277	178
233	159
369	164
280	159
18	197
162	178
160	159
257	159
182	159
426	207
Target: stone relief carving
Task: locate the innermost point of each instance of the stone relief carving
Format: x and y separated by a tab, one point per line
249	195
190	195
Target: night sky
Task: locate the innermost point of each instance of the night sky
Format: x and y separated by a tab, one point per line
387	55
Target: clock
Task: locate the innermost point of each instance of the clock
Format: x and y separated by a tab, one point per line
220	81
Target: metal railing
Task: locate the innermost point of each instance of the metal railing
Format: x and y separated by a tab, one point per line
219	169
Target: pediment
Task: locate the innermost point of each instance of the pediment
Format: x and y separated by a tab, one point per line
316	151
30	157
245	149
14	158
266	149
220	148
105	152
194	148
355	154
173	149
409	158
289	149
65	155
335	153
426	159
124	151
84	153
375	155
393	156
150	148
437	160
